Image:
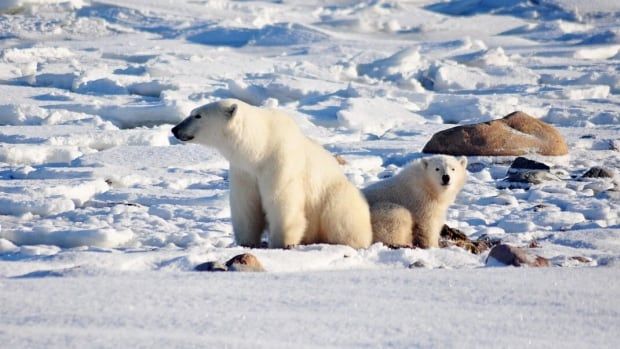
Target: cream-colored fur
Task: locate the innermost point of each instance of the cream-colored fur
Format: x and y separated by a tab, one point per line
392	224
420	190
279	179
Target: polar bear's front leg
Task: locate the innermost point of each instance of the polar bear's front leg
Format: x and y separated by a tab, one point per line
286	214
248	217
426	232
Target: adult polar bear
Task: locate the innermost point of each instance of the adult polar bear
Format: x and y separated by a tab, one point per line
279	179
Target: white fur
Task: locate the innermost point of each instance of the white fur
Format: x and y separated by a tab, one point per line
279	179
418	189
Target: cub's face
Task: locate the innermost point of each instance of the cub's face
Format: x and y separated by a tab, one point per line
207	125
446	173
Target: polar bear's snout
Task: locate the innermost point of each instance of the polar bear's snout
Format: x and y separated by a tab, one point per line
178	133
445	179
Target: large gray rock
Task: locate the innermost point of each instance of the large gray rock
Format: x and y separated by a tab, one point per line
515	134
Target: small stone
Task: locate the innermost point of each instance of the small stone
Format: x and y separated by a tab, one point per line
454	237
598	172
581	259
611	194
488	240
452	233
418	264
245	262
527	164
211	266
516	256
532	177
523	172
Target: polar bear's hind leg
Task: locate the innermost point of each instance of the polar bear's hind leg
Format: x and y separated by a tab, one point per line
392	224
345	217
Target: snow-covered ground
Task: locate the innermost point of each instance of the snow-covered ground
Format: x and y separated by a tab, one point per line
104	215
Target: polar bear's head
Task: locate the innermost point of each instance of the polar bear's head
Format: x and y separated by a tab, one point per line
445	173
208	125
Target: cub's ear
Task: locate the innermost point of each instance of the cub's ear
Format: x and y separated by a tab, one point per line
424	163
463	161
231	111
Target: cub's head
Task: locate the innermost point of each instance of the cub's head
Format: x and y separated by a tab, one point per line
208	125
445	173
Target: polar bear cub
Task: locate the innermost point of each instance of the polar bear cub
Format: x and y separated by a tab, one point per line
280	180
409	208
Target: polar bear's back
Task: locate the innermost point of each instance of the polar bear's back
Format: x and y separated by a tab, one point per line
402	188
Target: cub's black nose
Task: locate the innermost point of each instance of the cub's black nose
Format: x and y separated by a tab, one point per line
445	179
175	131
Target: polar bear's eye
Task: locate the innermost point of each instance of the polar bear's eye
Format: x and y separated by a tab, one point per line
437	169
198	116
452	169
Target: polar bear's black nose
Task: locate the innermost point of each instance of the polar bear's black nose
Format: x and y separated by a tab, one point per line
175	131
445	179
179	135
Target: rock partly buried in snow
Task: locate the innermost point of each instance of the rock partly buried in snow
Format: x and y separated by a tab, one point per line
419	264
211	266
522	163
515	134
598	172
515	256
523	172
532	177
454	237
244	262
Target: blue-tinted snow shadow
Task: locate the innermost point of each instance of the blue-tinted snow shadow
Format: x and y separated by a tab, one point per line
132	18
205	33
531	9
280	34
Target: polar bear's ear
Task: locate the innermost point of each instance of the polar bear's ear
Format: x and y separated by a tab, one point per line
463	161
231	111
424	163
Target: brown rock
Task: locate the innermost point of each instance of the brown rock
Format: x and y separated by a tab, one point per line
244	262
516	256
454	237
515	134
340	159
534	244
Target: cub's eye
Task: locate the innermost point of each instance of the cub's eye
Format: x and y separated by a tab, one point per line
452	169
437	169
198	116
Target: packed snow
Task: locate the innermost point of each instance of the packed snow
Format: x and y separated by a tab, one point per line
104	214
